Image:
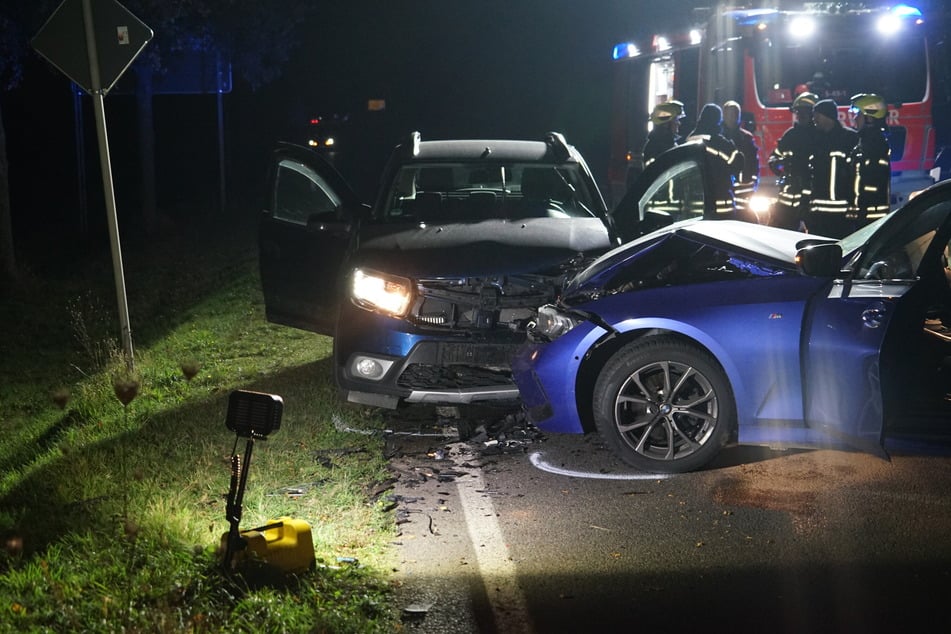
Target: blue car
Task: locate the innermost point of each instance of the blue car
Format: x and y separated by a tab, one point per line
703	332
427	291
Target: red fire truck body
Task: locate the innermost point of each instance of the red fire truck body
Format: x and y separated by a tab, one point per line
762	58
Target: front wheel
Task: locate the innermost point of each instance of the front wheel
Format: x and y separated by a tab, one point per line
664	405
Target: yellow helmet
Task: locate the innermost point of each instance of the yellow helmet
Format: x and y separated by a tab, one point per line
667	112
871	105
804	100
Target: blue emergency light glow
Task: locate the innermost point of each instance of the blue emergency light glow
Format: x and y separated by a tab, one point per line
906	11
625	50
753	17
895	19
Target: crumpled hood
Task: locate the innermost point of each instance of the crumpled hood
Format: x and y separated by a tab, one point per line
489	247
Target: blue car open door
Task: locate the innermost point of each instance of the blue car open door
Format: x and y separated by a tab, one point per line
874	360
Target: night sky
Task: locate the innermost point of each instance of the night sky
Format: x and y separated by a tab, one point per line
491	68
448	68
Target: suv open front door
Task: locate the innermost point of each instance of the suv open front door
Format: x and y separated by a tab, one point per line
304	238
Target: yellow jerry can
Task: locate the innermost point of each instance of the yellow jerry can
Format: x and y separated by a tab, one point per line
285	543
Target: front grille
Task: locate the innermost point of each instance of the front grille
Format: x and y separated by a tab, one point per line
423	377
481	303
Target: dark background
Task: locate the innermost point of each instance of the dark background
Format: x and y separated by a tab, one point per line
448	68
487	68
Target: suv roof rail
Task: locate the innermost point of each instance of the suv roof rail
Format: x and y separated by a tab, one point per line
556	141
410	147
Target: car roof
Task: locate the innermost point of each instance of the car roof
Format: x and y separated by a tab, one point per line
488	150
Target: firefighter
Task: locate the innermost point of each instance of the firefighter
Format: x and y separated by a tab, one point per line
666	119
791	162
870	160
831	177
726	158
745	144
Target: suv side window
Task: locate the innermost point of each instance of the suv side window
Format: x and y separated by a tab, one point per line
678	193
301	193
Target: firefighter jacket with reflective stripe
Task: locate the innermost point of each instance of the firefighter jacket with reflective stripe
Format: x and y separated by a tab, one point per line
725	167
745	144
831	177
792	161
871	168
659	140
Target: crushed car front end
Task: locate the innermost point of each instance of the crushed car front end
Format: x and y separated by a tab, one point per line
451	344
465	242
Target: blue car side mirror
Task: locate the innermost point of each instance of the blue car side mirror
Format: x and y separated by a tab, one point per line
820	260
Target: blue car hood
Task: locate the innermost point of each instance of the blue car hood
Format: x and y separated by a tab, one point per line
489	247
772	245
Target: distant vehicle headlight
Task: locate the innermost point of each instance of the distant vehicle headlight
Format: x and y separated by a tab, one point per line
389	294
553	322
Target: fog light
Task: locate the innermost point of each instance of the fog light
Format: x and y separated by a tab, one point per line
370	368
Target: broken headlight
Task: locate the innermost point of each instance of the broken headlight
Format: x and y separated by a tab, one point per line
389	294
552	322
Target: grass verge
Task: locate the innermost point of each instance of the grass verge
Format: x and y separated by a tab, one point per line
112	510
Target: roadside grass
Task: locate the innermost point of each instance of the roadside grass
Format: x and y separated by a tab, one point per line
111	514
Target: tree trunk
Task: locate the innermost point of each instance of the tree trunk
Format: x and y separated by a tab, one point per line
146	125
8	265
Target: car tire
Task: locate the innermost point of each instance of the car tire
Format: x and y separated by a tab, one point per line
664	405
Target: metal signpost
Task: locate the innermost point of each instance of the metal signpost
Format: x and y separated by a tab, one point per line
93	42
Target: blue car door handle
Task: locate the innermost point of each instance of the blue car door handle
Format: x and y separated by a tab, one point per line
874	315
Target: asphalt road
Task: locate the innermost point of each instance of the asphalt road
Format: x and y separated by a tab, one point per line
554	534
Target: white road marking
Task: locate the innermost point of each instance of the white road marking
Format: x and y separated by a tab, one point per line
496	567
539	463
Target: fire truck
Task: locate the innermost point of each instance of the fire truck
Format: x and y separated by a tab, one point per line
762	57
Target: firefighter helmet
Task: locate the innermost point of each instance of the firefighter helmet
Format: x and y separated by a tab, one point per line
871	105
804	100
667	112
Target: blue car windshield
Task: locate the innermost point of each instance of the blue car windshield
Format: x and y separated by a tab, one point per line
473	191
855	241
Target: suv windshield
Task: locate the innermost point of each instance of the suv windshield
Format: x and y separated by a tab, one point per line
469	192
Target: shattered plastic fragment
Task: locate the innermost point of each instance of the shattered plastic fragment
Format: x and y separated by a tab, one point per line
417	608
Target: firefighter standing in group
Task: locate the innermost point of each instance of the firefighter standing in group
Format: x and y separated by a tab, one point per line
791	160
745	144
665	123
727	159
666	119
870	160
831	177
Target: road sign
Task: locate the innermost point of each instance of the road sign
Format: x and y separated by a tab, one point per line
92	42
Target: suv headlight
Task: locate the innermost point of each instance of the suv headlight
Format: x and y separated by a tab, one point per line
389	294
553	322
